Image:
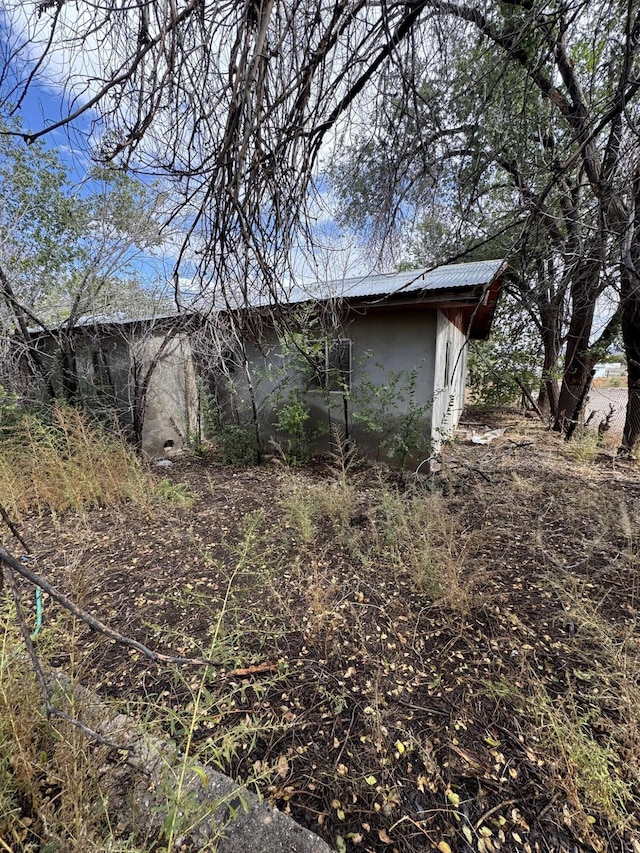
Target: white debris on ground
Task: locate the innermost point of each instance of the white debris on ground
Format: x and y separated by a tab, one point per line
163	463
487	437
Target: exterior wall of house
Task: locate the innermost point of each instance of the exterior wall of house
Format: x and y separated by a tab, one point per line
393	352
104	363
172	398
102	370
449	378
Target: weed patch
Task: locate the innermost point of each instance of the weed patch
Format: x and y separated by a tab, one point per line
64	462
399	669
177	494
418	535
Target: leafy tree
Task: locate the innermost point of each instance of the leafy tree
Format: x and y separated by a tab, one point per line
493	139
236	102
510	358
66	252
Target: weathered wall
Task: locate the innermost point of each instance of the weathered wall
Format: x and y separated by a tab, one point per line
102	369
172	399
392	383
394	352
449	378
104	364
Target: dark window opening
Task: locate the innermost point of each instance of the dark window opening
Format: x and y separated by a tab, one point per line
338	365
229	361
447	365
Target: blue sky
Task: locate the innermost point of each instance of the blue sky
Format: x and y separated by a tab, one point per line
44	105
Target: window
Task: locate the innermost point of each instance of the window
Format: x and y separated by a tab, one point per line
337	365
333	370
229	361
100	364
447	365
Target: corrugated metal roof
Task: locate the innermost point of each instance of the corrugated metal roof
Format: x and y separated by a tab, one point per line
118	318
448	277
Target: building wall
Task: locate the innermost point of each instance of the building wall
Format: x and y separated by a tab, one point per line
105	362
172	398
449	378
395	353
392	385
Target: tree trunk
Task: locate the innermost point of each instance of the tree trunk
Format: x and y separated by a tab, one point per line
549	395
69	369
577	366
631	337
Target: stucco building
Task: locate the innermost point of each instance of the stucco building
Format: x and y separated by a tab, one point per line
378	359
381	357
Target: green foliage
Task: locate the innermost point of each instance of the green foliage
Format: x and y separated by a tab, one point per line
178	494
494	369
301	368
9	411
390	412
70	250
512	353
234	442
41	223
302	349
292	419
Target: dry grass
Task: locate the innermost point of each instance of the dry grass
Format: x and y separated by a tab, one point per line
65	462
56	785
590	734
50	792
308	505
413	533
442	666
418	534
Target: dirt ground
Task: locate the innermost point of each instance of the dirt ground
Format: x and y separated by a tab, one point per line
466	684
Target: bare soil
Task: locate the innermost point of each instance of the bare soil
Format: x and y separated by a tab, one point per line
393	716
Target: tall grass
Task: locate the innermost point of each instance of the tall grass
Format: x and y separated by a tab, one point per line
50	793
417	534
64	462
411	533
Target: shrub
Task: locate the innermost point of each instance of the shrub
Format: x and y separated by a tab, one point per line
292	419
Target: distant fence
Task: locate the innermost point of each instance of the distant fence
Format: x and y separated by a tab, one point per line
601	400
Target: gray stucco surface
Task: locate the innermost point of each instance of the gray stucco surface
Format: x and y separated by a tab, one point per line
172	400
393	360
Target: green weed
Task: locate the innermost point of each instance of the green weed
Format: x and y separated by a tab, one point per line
588	766
584	447
179	494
